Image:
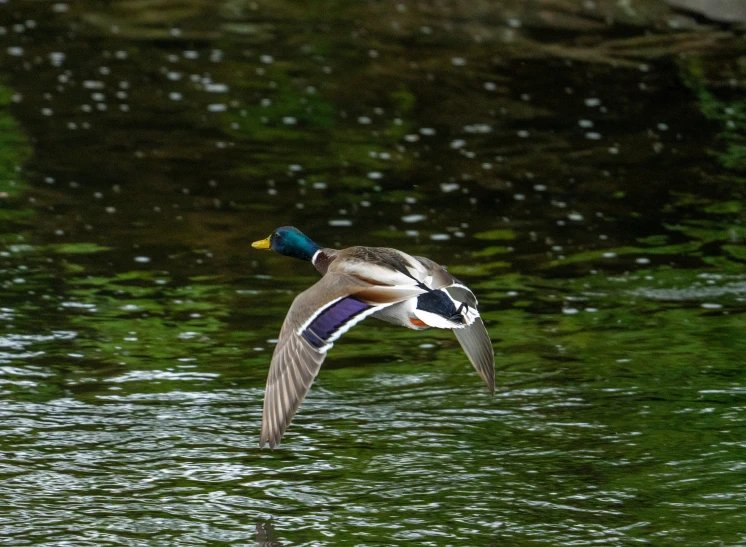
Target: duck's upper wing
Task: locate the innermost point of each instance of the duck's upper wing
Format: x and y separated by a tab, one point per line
317	317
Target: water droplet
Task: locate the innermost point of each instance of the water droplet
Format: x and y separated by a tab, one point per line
216	88
56	58
340	222
478	128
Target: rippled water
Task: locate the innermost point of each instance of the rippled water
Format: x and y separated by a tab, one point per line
580	165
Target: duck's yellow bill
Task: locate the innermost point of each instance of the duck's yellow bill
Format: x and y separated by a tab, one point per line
261	244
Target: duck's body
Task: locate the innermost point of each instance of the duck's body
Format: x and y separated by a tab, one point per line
358	282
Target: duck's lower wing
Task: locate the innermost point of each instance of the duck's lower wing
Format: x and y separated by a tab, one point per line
478	348
317	317
295	363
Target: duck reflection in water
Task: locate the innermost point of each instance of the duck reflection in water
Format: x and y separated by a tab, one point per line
265	535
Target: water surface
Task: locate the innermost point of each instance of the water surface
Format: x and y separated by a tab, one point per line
579	165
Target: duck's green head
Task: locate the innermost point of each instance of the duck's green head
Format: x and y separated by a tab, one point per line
288	241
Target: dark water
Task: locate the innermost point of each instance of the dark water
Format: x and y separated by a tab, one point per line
582	166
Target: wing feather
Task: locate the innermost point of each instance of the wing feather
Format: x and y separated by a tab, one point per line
440	276
478	348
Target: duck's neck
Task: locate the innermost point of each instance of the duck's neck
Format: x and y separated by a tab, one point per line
300	247
321	260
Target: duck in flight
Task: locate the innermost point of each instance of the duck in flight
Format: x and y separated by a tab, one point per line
411	291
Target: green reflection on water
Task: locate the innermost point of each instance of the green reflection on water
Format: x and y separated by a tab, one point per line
729	113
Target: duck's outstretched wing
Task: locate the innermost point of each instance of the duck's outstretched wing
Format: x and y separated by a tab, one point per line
477	345
317	317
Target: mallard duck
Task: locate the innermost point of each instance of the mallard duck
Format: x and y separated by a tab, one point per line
411	291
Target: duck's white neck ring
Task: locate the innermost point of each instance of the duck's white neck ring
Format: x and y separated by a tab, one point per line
315	255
